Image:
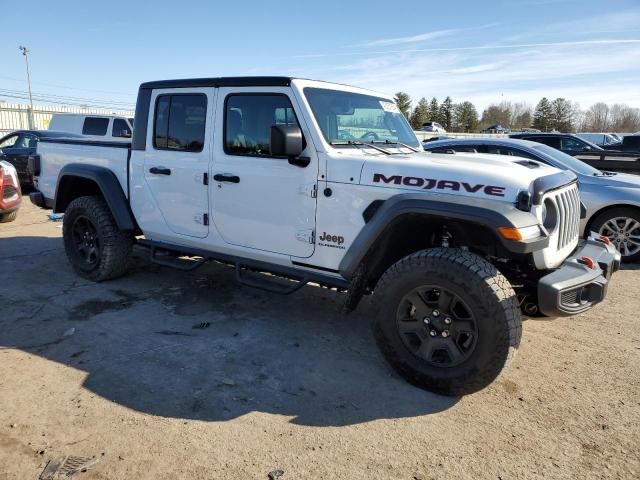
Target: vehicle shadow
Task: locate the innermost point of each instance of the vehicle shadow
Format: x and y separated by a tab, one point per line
198	346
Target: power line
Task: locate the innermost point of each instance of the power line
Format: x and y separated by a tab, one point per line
68	103
70	88
65	100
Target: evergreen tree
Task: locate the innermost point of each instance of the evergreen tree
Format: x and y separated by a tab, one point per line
434	111
562	115
466	117
543	115
420	114
446	113
403	101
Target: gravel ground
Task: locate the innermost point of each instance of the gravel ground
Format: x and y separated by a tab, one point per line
164	374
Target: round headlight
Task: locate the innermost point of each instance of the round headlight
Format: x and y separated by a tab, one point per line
549	215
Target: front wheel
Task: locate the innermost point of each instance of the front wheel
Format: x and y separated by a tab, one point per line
622	226
447	320
96	248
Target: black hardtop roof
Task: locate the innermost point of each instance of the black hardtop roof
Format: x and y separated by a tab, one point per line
220	82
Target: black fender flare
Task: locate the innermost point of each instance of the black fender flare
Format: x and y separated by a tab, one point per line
489	213
109	186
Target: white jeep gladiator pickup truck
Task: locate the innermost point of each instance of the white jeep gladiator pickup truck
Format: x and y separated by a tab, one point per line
316	182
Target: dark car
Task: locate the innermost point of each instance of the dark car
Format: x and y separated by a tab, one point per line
565	142
18	146
586	151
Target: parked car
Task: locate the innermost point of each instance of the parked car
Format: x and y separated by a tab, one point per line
441	245
99	127
586	151
631	143
10	193
606	141
612	200
18	146
432	127
496	128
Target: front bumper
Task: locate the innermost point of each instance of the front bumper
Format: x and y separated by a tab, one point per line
575	287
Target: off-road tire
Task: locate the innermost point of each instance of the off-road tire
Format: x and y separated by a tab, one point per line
8	217
623	212
115	245
482	287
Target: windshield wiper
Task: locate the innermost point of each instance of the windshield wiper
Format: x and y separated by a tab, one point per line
395	142
358	144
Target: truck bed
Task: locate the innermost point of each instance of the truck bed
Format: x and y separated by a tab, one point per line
56	153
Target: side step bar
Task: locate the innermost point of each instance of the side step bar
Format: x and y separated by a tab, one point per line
250	273
252	279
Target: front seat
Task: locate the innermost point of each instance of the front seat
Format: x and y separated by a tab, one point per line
237	139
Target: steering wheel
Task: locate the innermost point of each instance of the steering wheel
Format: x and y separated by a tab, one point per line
369	136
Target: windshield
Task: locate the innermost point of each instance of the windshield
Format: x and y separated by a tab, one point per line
352	117
567	160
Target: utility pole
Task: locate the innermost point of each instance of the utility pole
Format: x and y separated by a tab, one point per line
25	51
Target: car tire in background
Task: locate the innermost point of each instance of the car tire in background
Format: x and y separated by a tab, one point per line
622	226
8	217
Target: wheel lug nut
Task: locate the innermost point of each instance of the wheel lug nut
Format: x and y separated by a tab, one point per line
447	321
426	320
436	313
445	334
433	333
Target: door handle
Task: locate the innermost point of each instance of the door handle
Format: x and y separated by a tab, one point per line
160	171
226	177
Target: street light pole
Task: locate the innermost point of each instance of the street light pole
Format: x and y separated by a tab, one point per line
25	51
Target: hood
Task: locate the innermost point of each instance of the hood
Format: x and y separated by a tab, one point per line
497	177
619	180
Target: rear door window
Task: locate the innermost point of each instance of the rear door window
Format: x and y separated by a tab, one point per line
95	126
120	128
180	122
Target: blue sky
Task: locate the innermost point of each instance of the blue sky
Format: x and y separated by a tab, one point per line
516	50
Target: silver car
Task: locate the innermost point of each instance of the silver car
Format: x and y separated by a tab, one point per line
612	199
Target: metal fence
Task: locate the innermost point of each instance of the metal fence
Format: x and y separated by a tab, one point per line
15	116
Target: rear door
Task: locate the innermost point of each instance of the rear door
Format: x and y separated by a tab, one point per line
261	201
176	162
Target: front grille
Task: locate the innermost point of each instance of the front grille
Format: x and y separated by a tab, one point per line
9	191
567	201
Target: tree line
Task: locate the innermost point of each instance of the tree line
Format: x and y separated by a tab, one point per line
560	115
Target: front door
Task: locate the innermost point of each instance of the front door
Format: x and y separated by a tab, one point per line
177	163
261	201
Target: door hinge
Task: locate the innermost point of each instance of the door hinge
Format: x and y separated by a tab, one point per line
205	178
307	236
310	189
201	219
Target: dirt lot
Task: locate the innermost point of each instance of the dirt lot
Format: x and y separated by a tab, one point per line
117	370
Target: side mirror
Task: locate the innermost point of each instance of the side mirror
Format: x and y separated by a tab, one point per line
286	141
586	148
125	133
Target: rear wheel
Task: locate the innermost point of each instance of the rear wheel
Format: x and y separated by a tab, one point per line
447	320
622	226
96	248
